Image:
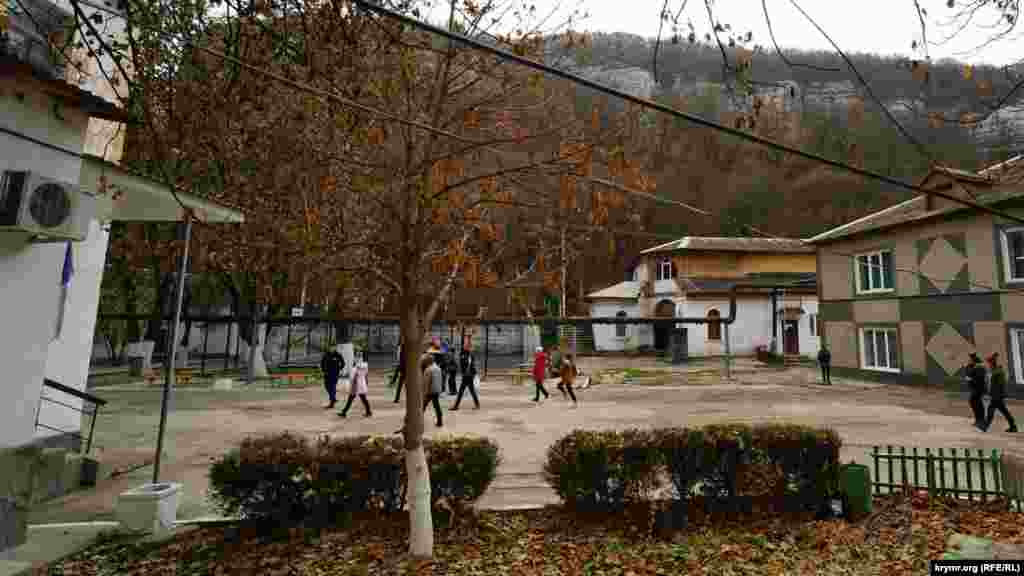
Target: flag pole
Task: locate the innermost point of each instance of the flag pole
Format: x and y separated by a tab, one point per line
172	352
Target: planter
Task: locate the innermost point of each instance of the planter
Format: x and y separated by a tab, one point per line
150	508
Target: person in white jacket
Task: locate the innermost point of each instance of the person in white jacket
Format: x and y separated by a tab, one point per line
359	385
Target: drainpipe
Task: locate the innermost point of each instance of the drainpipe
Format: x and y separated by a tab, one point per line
775	318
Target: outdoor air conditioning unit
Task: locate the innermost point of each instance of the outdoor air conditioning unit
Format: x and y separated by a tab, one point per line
47	210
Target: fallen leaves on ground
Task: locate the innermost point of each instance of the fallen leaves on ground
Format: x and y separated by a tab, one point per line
899	537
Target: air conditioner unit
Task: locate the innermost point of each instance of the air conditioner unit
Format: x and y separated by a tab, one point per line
47	210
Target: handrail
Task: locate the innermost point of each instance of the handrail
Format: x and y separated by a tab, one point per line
95	401
76	393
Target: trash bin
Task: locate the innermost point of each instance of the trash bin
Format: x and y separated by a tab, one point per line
855	485
135	365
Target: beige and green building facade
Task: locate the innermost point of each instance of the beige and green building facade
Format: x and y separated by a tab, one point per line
905	294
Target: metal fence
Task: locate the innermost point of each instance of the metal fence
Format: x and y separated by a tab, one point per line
952	472
97	403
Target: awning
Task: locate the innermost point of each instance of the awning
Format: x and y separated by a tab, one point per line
141	199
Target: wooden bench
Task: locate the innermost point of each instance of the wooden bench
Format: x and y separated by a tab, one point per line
182	376
288	378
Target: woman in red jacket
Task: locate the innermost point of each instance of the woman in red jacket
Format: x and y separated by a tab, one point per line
540	361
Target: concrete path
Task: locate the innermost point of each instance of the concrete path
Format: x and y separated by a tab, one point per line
205	423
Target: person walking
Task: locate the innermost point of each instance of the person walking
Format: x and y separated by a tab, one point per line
331	365
539	373
398	378
974	373
997	394
360	375
468	378
452	369
825	361
433	384
568	377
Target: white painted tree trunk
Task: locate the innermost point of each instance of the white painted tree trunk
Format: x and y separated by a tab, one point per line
257	363
421	524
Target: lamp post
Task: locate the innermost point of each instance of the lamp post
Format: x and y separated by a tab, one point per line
172	352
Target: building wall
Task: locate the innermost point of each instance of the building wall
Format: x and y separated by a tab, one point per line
949	300
67	359
31	273
735	265
605	337
752	328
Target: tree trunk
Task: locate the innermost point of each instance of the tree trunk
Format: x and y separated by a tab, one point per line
421	526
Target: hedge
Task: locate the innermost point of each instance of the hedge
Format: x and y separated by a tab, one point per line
285	480
727	464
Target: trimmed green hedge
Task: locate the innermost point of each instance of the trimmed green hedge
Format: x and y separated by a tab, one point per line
727	464
285	480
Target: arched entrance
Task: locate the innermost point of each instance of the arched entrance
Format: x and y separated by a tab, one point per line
664	309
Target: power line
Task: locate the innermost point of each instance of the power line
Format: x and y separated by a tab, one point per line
645	103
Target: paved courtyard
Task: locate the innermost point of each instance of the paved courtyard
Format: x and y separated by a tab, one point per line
205	423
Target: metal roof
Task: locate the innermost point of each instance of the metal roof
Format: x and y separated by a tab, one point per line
736	244
622	291
1008	177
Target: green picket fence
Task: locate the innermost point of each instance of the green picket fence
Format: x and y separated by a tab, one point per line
952	472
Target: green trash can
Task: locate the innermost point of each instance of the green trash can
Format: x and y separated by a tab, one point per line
855	485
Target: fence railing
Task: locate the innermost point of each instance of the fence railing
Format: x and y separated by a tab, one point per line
97	403
952	472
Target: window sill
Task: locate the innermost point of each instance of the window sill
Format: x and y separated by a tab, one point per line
886	370
878	292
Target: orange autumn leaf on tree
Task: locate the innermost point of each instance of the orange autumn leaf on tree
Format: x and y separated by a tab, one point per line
567	196
471	118
489	279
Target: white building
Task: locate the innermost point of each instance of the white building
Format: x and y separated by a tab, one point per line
777	304
54	130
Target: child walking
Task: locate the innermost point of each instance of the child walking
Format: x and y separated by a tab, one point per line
359	386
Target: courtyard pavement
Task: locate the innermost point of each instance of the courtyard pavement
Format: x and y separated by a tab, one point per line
205	423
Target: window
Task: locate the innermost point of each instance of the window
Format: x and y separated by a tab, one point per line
665	270
812	319
875	272
1013	254
620	329
1017	355
879	350
714	328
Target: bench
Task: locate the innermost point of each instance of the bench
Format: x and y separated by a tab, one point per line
182	376
289	378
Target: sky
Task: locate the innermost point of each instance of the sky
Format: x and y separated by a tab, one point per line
874	26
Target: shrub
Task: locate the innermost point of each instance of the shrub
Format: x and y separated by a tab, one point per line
283	480
461	468
596	470
726	463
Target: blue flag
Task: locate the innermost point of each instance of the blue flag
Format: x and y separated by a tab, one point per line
69	268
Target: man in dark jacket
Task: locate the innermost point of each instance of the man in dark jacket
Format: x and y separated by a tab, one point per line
398	379
997	393
825	360
331	365
974	373
468	377
451	369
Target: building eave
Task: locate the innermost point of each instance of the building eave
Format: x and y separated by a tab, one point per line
142	199
95	106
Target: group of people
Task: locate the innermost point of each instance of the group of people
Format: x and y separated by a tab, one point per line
333	367
553	364
440	370
979	381
995	378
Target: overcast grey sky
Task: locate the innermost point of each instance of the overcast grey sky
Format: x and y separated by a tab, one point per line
876	26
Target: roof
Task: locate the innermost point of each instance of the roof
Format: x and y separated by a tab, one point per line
738	244
95	106
1007	176
798	281
622	291
143	199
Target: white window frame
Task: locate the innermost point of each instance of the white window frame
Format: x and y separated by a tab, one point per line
869	255
620	329
659	273
1007	268
1016	337
864	354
